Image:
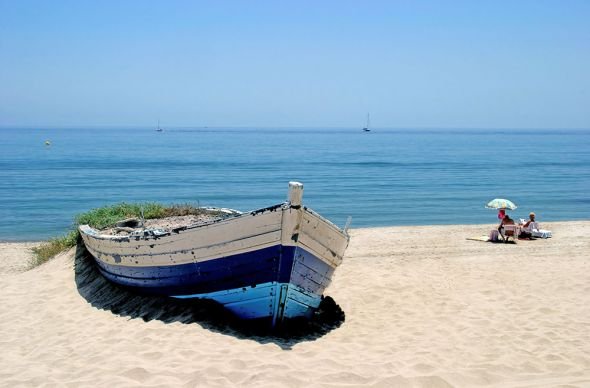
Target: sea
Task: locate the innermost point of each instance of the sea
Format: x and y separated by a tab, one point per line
384	177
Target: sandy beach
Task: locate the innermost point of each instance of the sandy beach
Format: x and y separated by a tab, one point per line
424	306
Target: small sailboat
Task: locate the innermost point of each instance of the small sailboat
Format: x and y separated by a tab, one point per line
159	129
366	128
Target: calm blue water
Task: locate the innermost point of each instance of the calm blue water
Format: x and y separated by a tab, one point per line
386	177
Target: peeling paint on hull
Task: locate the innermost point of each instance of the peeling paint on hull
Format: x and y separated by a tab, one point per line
274	262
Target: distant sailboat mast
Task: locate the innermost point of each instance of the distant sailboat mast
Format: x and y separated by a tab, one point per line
159	129
367	129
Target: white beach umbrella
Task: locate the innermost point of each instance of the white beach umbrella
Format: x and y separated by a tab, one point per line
501	203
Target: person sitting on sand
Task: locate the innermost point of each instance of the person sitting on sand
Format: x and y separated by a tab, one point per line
531	219
526	232
506	221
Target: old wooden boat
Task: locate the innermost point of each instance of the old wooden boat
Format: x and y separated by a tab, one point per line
270	264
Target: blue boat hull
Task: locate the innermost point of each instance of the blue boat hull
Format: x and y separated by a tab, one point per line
278	281
272	263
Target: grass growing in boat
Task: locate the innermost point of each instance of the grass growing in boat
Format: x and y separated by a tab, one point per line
107	216
104	217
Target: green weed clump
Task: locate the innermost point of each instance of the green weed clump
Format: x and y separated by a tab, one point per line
107	216
51	248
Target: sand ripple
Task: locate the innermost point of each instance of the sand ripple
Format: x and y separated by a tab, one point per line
424	308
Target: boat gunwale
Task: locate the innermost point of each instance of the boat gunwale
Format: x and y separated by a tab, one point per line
99	236
328	222
95	233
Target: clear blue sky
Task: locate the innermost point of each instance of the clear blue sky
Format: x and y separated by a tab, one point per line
459	64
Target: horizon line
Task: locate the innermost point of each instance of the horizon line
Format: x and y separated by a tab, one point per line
267	127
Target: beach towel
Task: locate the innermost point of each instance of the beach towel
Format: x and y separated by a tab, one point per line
479	238
494	236
537	232
487	239
541	233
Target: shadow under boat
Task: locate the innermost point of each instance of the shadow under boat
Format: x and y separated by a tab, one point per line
104	295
